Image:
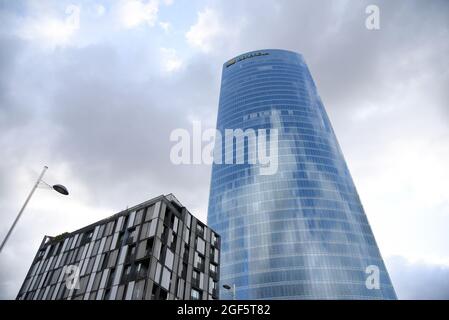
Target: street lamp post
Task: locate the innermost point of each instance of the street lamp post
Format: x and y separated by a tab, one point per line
57	187
232	289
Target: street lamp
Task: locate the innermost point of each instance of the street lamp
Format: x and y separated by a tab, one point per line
230	288
57	187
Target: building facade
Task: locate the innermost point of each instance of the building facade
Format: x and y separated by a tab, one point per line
300	233
155	250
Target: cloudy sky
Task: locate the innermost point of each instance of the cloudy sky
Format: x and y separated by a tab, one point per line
93	89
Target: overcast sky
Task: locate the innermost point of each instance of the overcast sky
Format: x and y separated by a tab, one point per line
93	89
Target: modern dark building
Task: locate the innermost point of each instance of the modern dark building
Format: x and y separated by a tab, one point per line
155	250
300	233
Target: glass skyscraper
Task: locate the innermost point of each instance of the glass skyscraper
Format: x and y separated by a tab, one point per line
300	233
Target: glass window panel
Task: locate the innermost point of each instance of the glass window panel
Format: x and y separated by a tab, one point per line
122	255
166	277
139	290
187	236
200	245
144	232
131	219
169	257
139	217
157	276
129	291
175	224
198	261
150	213
152	228
195	294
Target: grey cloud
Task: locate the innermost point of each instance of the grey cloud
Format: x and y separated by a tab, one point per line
106	112
418	280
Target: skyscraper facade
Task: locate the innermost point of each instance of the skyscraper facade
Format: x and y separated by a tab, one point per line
301	232
156	250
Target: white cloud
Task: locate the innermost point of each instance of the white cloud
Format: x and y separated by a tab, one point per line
166	26
132	13
50	30
100	9
207	28
170	60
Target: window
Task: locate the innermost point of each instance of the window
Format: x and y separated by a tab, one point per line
100	231
195	275
90	265
169	257
151	214
184	271
175	225
214	239
180	290
139	290
187	236
130	218
139	217
109	228
171	243
144	232
131	252
122	255
166	277
120	291
157	276
213	269
214	255
112	258
96	247
201	280
87	237
213	286
197	279
188	220
145	248
132	236
152	228
200	245
163	295
129	290
126	273
195	294
102	263
107	245
142	269
199	229
198	261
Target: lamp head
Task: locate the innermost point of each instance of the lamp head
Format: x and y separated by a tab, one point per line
61	189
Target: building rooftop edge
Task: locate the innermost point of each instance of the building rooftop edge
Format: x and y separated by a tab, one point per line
170	198
261	50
